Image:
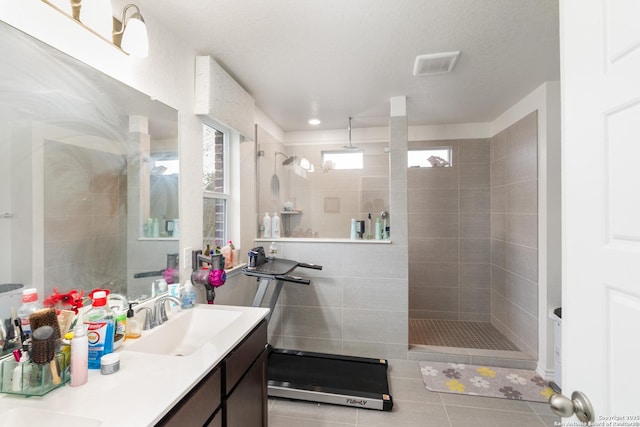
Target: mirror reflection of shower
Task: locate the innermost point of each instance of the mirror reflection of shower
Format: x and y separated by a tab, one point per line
288	159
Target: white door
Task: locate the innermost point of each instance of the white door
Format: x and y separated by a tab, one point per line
600	60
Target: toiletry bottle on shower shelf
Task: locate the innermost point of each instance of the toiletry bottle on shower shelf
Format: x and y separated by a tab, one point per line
266	225
353	229
275	226
378	234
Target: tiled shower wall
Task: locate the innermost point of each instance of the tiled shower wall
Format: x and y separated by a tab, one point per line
514	233
449	230
473	246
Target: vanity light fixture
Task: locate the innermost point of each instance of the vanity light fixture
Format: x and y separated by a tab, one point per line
133	31
96	16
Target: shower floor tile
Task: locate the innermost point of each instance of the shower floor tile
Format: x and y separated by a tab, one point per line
457	333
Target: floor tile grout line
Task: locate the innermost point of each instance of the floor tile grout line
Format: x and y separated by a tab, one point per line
444	407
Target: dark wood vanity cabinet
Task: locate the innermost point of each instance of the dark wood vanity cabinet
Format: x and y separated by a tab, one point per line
233	394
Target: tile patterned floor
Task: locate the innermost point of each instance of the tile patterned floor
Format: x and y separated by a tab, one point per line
457	333
414	406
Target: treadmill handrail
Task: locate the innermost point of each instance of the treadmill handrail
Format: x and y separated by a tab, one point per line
307	265
293	279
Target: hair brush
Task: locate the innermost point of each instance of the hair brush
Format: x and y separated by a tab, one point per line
44	348
46	317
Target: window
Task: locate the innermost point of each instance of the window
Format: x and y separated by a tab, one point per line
429	157
214	186
342	160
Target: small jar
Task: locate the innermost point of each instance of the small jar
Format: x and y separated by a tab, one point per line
109	363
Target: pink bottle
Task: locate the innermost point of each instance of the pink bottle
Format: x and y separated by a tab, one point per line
79	356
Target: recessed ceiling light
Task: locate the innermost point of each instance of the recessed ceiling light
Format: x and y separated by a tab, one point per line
314	122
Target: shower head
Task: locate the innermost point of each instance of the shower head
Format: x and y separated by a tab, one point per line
288	160
350	146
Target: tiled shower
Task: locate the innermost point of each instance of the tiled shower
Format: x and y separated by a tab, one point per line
473	234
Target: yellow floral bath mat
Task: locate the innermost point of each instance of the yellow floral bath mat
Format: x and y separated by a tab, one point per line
517	384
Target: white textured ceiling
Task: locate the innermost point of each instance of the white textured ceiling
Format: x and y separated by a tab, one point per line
338	58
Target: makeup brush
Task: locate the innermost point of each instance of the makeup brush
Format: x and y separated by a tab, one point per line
44	348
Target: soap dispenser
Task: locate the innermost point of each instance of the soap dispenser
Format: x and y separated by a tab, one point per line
134	327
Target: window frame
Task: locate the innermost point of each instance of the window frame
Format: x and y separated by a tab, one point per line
226	193
449	158
343	152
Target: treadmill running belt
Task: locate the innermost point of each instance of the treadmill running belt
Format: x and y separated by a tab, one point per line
316	372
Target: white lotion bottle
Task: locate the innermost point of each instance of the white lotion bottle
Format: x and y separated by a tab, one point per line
275	226
266	225
79	356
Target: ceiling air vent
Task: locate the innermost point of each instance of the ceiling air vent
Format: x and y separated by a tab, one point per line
435	63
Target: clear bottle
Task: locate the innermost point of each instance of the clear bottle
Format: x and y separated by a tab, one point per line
79	356
266	225
188	295
100	321
275	226
273	250
29	305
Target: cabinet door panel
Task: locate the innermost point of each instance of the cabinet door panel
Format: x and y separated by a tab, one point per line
216	421
247	405
197	406
242	357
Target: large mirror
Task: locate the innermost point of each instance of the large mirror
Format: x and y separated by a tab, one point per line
88	176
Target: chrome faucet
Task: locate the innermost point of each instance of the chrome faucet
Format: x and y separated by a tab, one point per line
148	318
159	309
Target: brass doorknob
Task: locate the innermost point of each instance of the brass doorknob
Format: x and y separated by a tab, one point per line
578	404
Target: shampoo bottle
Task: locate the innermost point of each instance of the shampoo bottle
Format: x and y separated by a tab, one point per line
79	356
266	225
275	226
100	323
353	229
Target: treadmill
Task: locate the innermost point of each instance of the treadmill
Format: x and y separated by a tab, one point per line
316	377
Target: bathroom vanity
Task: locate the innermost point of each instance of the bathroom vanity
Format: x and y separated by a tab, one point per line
219	381
234	393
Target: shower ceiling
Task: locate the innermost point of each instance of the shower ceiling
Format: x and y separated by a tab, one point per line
333	59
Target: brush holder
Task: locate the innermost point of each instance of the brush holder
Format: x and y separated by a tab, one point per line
31	379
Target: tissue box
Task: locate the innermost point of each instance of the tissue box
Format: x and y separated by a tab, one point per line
31	379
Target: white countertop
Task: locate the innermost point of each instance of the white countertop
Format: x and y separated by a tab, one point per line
147	385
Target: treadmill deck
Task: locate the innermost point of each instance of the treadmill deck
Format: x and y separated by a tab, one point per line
318	377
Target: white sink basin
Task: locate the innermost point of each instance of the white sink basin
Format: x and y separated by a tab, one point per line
184	333
31	416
